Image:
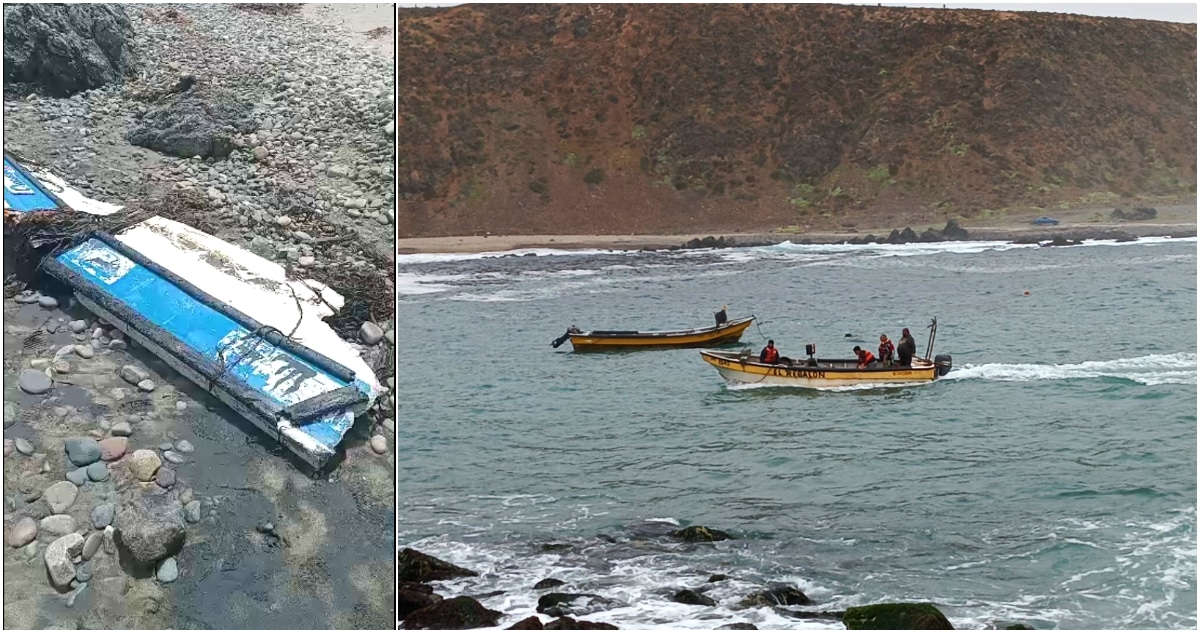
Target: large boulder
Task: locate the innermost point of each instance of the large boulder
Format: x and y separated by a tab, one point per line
412	596
417	567
700	534
896	616
62	49
691	596
953	231
453	614
571	624
149	525
196	122
559	605
777	596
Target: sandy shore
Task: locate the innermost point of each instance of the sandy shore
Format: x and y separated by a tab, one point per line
375	24
1175	219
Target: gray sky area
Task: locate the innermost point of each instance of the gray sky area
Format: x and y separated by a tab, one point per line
1167	12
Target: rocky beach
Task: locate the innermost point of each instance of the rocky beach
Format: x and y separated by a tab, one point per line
133	498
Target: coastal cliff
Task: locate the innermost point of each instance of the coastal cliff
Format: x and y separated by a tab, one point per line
545	119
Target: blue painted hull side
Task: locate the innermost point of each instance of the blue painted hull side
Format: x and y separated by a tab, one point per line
211	333
23	193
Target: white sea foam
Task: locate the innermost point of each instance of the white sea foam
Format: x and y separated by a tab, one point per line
1155	369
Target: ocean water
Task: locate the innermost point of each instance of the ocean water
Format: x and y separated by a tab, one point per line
1049	479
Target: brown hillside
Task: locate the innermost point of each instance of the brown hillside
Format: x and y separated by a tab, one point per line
663	118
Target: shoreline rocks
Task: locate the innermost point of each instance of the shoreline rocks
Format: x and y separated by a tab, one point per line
414	566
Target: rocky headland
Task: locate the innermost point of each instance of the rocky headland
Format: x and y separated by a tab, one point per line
732	119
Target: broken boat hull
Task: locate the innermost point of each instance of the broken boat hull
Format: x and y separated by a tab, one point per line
303	399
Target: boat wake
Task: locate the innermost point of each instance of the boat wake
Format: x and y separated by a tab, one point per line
1155	369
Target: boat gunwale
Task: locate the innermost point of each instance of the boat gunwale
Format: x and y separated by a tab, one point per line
619	334
924	364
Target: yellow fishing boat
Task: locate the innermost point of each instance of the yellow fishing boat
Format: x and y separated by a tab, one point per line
744	369
724	332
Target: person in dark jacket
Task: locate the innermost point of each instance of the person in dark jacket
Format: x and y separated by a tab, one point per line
906	349
769	354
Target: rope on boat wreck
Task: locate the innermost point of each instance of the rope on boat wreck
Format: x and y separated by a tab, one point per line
259	334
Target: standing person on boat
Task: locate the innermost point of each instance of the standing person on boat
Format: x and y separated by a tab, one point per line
865	358
769	354
886	350
907	349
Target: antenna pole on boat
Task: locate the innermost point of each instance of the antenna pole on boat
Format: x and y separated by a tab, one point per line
932	338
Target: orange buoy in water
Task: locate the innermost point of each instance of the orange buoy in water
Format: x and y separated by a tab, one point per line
1026	293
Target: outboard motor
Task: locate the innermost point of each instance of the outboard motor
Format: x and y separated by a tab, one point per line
943	364
560	340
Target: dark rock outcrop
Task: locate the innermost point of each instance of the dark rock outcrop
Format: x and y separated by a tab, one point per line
717	578
531	623
564	604
571	624
195	122
954	232
149	526
777	596
700	534
737	626
896	616
413	566
413	596
691	596
61	49
453	614
548	583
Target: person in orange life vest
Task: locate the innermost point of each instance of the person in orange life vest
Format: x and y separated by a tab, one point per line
769	354
865	358
886	349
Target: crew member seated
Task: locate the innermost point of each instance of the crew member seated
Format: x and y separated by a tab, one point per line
769	354
865	358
